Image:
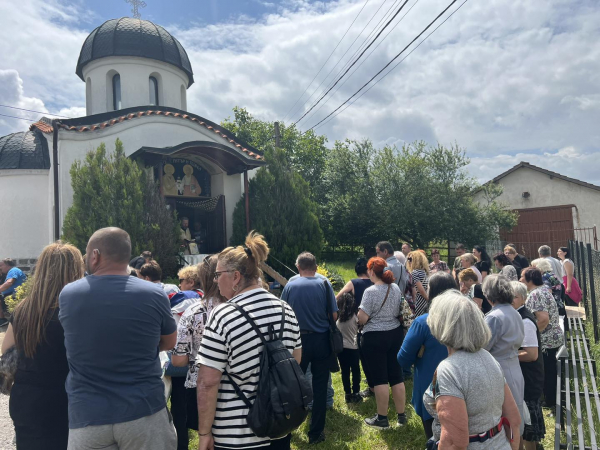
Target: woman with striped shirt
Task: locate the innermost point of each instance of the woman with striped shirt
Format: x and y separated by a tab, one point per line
230	344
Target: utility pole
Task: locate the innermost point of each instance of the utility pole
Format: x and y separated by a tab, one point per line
277	135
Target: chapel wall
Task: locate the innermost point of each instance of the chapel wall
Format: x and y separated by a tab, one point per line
25	215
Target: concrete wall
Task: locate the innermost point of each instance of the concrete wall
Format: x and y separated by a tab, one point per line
26	214
546	191
152	131
135	90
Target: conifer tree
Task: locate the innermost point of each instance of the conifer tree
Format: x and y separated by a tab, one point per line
112	190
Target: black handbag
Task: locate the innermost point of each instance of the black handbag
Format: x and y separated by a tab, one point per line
336	340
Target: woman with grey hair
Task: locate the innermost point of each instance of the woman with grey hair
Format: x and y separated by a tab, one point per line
532	365
468	387
468	261
507	330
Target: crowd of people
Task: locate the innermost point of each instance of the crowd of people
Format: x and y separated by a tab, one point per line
103	344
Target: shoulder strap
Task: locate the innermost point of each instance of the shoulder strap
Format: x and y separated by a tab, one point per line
382	305
237	389
328	304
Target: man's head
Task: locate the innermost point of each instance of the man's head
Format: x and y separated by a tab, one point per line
185	223
545	251
6	264
147	256
151	272
460	249
108	249
384	250
406	248
513	246
306	263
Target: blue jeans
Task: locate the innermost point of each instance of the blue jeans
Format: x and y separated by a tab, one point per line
330	390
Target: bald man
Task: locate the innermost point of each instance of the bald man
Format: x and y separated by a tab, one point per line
115	325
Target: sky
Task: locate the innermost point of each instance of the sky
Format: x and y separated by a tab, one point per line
506	81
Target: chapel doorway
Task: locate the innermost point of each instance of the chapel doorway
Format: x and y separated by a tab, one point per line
207	221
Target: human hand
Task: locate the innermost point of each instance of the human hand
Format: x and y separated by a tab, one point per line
206	442
568	290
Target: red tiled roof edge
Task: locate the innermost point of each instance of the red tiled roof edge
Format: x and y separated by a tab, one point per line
108	123
42	126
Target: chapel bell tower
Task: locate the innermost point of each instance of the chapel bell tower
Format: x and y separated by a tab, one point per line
132	62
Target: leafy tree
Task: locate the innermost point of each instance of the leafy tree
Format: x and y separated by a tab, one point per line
351	214
281	209
112	190
306	153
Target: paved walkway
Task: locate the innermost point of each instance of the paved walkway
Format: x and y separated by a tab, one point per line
7	433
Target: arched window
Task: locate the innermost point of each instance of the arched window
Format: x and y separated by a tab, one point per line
153	85
116	85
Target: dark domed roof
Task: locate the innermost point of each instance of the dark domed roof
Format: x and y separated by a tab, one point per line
24	150
133	37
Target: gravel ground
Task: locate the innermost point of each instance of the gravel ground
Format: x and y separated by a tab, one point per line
7	432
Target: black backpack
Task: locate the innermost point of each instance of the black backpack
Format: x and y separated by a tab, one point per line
283	395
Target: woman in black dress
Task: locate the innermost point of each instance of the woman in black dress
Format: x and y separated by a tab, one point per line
38	400
484	263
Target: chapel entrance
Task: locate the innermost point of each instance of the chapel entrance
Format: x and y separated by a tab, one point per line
207	221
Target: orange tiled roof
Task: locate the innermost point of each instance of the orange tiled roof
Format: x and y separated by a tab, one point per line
42	125
102	125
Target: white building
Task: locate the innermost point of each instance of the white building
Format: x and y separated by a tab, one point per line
553	208
136	79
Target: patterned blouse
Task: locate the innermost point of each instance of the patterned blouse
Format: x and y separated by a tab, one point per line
555	286
189	335
439	267
541	299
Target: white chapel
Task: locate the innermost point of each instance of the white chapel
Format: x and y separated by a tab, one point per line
136	77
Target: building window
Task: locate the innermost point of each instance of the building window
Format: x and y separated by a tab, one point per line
116	85
153	91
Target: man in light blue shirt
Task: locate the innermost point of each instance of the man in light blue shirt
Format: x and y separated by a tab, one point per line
14	278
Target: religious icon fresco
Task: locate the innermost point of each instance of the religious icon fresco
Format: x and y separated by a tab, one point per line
184	178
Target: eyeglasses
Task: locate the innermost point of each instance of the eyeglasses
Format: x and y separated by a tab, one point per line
181	280
218	274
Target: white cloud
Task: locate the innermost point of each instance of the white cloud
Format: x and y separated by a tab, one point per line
509	81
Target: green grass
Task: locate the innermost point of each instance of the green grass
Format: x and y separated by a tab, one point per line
345	269
345	429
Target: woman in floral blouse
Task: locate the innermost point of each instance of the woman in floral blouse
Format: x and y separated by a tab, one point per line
437	265
190	331
541	303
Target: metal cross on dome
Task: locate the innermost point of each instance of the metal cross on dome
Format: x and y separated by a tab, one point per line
136	4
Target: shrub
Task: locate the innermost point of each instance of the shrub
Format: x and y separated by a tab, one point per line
20	293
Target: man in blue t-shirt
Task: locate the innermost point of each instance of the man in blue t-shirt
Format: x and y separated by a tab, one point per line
308	296
115	325
14	278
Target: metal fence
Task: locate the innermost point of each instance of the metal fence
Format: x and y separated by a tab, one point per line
587	272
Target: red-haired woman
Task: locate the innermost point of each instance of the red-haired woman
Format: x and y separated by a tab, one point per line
380	314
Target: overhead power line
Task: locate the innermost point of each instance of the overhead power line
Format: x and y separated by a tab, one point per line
393	59
346	52
355	61
362	62
31	110
327	60
15	117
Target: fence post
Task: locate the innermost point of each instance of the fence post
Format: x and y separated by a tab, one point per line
593	293
584	275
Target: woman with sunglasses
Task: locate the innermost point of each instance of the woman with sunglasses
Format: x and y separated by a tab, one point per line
230	344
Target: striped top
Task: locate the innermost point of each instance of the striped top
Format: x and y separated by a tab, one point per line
231	344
